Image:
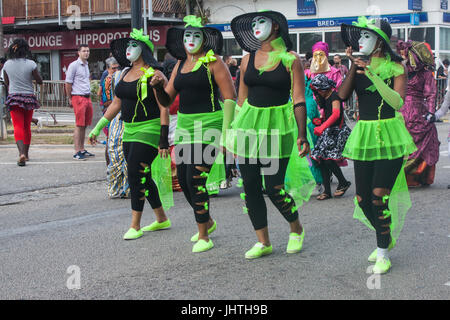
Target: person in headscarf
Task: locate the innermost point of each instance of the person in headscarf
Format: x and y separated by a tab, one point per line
332	132
379	141
197	77
146	128
269	133
420	101
321	65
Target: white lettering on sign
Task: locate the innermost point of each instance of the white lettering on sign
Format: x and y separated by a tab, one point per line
326	23
154	35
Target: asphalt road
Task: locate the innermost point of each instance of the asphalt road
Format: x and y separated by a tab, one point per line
56	223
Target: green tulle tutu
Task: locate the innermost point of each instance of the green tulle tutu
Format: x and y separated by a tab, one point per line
146	132
379	139
203	128
262	132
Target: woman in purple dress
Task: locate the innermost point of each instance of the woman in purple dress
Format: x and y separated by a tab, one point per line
420	101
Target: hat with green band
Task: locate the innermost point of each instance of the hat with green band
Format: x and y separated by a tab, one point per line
119	49
212	39
352	33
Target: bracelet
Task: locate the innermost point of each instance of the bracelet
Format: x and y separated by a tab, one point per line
300	104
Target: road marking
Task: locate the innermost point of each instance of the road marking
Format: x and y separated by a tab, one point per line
54	162
446	167
447	284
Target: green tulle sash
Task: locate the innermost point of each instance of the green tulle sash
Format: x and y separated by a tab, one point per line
162	175
146	132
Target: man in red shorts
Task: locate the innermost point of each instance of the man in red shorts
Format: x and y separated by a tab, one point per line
78	88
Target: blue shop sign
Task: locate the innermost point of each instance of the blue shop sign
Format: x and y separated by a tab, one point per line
335	22
415	5
444	4
446	17
306	7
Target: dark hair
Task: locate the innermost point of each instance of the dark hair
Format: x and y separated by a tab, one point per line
3	60
308	55
446	62
19	49
82	46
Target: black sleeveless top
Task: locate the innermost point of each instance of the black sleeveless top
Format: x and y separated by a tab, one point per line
327	105
126	91
369	101
271	88
195	91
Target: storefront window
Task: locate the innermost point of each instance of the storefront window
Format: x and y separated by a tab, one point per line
294	38
445	39
397	34
43	64
307	40
96	62
231	48
334	41
423	34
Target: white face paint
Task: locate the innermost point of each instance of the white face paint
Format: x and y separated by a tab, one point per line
367	42
193	40
134	51
262	27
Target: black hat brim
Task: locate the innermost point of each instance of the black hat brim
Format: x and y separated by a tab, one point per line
119	52
241	26
212	40
351	34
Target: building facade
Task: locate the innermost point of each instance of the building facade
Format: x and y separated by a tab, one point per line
55	28
319	20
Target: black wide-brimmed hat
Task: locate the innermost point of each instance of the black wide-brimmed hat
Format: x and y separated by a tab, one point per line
119	49
243	31
352	33
212	38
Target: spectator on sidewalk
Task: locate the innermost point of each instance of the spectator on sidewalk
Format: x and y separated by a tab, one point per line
19	73
78	89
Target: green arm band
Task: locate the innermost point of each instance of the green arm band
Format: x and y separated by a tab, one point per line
389	95
228	114
103	122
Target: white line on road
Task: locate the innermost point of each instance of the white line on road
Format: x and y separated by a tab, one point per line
54	162
447	284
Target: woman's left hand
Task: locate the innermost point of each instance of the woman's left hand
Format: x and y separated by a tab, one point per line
164	153
303	147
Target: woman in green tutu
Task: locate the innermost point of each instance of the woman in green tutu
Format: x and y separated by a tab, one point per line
264	133
197	77
380	141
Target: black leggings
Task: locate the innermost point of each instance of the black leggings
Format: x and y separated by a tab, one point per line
274	186
328	167
371	175
192	171
139	157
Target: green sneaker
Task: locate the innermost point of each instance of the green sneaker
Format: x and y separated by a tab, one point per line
155	226
210	230
133	234
202	246
258	251
382	265
295	243
373	255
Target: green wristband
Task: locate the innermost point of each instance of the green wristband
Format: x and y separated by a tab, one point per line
103	122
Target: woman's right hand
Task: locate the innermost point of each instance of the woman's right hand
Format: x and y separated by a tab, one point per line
157	81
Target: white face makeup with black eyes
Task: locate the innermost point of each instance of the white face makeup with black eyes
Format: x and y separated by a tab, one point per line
367	42
134	51
193	40
262	27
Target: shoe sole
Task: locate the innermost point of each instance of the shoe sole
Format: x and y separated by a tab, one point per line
263	255
165	228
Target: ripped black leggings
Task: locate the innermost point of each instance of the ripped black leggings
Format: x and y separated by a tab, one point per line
193	166
374	181
274	186
139	157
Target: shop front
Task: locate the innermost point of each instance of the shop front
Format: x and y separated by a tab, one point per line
54	51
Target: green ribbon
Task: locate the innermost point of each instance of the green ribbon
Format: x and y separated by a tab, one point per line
138	34
278	54
363	22
209	57
148	73
193	21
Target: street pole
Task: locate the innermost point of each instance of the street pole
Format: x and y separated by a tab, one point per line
136	14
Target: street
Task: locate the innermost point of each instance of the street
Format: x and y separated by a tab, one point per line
61	238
